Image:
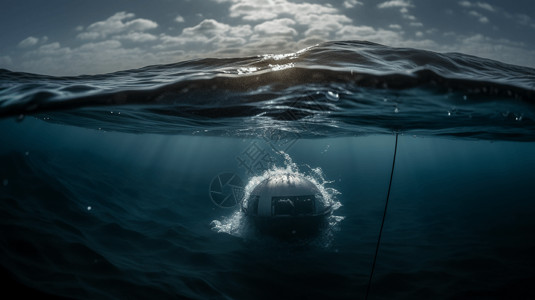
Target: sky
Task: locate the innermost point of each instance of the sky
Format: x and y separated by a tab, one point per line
74	37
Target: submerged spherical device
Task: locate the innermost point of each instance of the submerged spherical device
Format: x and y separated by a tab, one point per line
287	205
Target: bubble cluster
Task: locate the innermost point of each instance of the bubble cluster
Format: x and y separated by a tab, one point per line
237	224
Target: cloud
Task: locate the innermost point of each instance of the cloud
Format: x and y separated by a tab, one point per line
498	49
89	58
521	19
310	21
49	47
287	25
395	3
485	6
210	29
368	33
352	3
465	3
252	10
92	35
124	41
138	37
276	27
499	12
251	27
28	42
481	18
482	5
179	19
209	34
403	6
325	26
116	24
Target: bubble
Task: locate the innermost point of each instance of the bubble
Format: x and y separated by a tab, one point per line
332	96
396	110
89	208
234	225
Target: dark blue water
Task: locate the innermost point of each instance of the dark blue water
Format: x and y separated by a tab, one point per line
107	181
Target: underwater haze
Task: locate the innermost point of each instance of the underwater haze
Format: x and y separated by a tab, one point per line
129	184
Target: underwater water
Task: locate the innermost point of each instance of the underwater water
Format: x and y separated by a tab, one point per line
129	184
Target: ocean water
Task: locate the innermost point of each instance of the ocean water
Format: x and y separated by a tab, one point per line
128	185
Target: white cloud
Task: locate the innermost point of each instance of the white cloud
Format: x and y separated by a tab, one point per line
179	19
395	3
89	58
368	33
278	27
210	34
498	49
403	6
50	47
138	37
28	42
103	46
116	24
93	35
485	6
474	13
286	23
352	3
477	7
482	5
311	20
289	26
254	10
465	3
210	29
325	26
481	18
